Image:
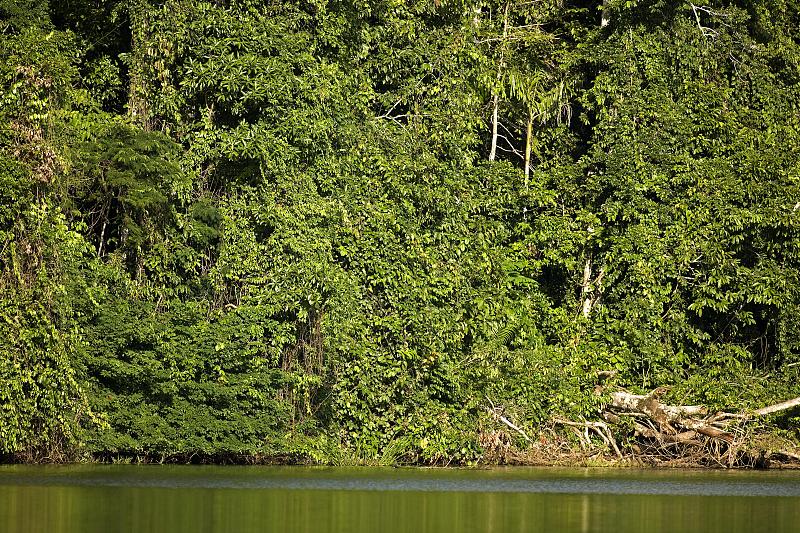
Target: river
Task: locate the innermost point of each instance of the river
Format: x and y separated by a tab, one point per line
126	498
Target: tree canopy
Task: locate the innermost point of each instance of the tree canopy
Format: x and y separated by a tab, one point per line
327	229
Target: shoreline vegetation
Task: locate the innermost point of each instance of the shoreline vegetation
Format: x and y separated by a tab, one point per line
423	232
664	436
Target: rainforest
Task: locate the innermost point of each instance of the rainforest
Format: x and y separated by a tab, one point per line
400	231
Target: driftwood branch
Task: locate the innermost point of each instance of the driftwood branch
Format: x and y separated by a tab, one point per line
496	413
511	425
600	428
790	455
776	408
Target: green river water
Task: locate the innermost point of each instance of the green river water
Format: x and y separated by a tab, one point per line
98	498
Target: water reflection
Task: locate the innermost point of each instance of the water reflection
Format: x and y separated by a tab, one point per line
204	501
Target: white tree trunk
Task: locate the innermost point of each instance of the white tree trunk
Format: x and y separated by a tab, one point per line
528	141
586	293
496	95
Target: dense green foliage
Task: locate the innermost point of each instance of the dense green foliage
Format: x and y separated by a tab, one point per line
331	229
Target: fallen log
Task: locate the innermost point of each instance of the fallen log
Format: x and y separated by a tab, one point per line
778	407
686	437
643	428
707	430
673	431
790	455
648	403
668	416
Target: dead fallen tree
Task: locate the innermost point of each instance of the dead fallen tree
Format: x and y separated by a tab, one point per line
656	432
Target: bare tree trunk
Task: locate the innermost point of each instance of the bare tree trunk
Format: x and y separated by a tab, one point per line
102	238
586	294
528	141
495	105
496	95
604	18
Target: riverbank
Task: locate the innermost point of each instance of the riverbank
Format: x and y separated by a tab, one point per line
551	448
